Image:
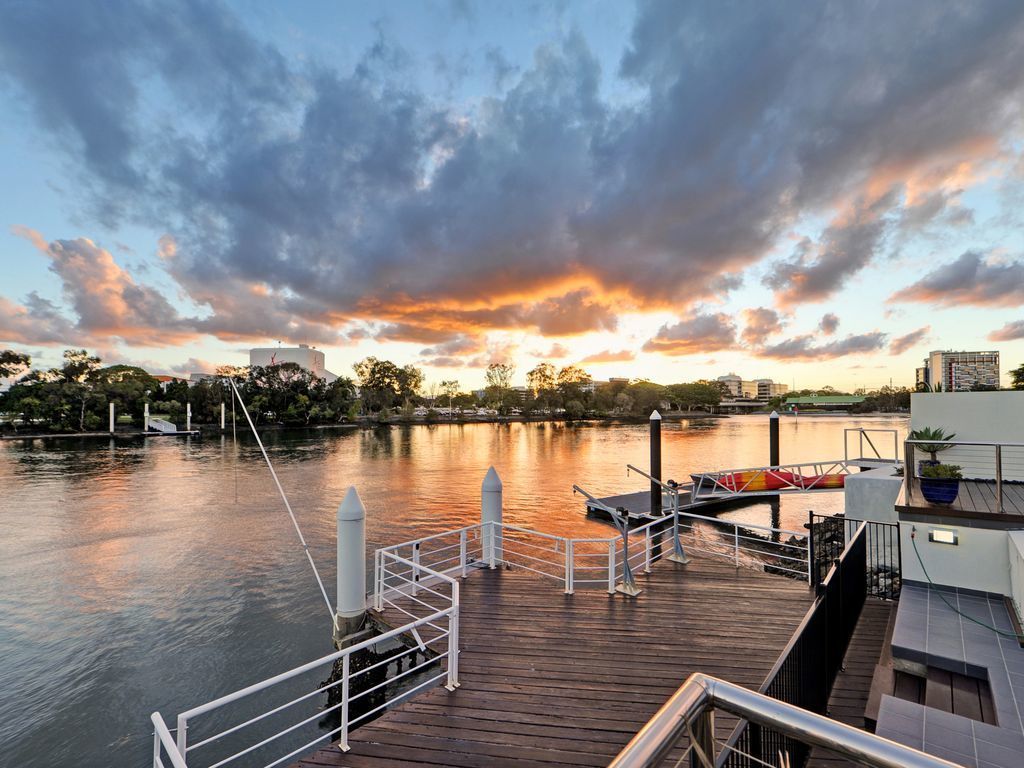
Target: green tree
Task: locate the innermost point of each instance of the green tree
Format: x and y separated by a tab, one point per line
1017	377
499	382
574	384
645	397
542	381
13	363
382	384
127	386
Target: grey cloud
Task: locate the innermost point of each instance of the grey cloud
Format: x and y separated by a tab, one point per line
972	279
804	347
901	344
37	321
693	335
829	323
816	270
1009	332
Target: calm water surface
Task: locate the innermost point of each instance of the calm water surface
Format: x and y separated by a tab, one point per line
155	575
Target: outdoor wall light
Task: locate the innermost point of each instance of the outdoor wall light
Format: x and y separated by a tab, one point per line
943	536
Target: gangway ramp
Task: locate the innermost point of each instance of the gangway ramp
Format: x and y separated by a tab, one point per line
777	480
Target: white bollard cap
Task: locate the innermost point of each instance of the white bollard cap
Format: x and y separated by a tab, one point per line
351	507
775	415
655	416
491	481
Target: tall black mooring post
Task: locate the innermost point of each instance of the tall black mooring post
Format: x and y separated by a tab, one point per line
655	462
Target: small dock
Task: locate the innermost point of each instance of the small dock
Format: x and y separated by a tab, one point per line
549	679
639	504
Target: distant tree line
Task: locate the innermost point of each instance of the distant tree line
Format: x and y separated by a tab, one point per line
75	396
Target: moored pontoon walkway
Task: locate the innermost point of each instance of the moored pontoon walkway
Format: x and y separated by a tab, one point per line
549	679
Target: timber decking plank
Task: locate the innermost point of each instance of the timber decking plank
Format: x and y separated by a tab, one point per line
548	679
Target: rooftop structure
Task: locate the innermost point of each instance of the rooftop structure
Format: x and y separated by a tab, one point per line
949	371
303	355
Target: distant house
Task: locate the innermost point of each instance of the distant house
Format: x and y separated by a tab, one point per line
166	381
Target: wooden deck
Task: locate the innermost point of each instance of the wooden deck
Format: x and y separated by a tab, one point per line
558	680
976	498
849	697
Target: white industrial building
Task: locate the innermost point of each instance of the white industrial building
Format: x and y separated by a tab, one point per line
303	355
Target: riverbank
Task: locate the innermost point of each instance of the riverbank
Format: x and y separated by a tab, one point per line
368	422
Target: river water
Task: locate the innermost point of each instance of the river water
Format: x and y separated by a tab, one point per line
143	575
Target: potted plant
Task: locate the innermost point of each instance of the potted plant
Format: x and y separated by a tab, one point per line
940	483
935	441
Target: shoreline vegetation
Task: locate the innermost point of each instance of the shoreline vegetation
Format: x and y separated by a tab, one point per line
74	399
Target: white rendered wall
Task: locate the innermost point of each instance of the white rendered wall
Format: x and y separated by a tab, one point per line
975	416
872	495
979	561
1016	555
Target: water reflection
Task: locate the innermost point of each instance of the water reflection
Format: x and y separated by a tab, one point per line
134	579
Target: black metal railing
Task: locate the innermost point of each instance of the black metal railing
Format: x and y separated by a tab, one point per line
807	668
827	537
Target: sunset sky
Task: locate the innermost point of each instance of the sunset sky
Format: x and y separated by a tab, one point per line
818	193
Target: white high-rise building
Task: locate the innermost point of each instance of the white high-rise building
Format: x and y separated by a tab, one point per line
304	355
949	371
758	389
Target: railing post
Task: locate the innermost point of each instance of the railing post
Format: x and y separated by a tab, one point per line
378	580
416	568
182	736
611	567
462	552
647	551
453	641
811	571
703	740
156	749
999	478
736	542
569	566
908	470
678	555
343	735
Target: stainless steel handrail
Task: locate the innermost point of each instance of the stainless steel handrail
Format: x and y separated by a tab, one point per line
702	693
990	444
909	464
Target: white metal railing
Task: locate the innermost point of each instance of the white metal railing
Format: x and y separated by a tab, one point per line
160	425
433	610
807	477
874	453
588	562
748	544
996	469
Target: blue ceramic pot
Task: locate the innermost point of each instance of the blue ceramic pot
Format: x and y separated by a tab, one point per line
939	491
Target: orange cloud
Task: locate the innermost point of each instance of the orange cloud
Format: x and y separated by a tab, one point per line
608	356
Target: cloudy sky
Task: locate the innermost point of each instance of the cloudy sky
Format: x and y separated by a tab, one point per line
815	192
